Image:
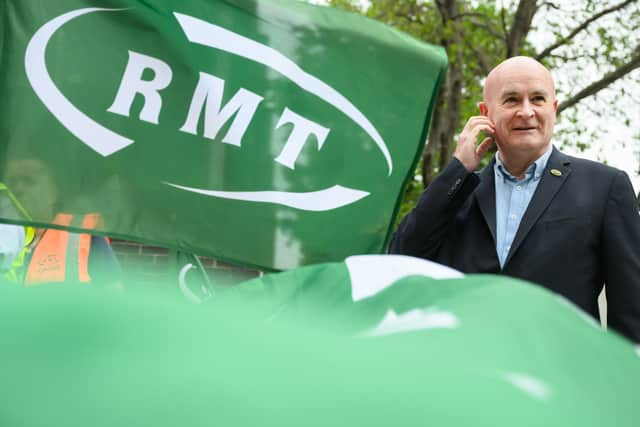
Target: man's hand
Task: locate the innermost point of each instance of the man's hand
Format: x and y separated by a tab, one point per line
466	151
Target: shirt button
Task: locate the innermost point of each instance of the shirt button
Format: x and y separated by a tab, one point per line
518	187
513	216
508	247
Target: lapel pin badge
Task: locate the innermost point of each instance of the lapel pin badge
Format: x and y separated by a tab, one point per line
555	172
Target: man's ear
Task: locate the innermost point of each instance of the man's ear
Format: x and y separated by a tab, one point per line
482	106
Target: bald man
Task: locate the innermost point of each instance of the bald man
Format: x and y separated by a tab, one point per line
568	224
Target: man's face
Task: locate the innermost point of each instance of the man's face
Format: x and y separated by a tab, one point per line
520	101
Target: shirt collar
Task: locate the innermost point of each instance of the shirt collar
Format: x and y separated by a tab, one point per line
533	171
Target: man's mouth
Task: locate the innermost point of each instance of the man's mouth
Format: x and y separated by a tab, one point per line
524	128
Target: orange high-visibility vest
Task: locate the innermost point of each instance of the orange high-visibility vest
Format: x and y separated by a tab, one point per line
62	255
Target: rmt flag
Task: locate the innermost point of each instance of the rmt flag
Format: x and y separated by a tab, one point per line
269	133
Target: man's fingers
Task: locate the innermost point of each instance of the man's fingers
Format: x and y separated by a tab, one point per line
481	121
484	146
474	126
467	151
470	138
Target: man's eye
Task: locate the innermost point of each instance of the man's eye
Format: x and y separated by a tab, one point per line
510	100
539	99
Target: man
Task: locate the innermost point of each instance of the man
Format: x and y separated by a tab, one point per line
534	213
54	255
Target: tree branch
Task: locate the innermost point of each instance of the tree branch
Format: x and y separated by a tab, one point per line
483	62
550	5
582	27
503	20
567	58
469	15
488	29
605	81
521	25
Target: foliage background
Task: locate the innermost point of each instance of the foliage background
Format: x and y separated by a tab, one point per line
591	47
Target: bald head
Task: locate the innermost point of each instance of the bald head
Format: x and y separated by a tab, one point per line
516	66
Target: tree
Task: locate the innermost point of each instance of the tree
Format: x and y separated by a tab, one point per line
592	47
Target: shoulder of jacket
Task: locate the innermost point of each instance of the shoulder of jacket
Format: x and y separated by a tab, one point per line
578	163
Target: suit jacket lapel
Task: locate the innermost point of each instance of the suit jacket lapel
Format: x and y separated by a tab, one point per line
544	194
486	196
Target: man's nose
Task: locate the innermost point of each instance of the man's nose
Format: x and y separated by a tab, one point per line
526	110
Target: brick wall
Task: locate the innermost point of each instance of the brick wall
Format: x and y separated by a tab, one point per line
156	266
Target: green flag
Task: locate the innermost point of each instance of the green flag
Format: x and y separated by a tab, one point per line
368	293
493	328
270	133
354	343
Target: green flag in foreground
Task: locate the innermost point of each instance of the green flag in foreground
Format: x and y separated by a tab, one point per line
453	351
256	131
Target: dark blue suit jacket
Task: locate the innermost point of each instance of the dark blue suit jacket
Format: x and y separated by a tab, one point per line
580	231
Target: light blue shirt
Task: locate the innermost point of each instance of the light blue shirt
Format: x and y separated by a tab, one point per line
512	198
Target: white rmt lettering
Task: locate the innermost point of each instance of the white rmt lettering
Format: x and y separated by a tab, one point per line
210	90
302	129
208	96
133	84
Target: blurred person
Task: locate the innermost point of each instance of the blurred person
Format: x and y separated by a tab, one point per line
57	255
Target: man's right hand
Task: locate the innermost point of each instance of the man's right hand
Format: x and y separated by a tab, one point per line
467	152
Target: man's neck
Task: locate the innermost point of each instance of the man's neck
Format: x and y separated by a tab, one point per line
517	162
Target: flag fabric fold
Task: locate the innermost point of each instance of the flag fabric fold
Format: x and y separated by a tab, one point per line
295	348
